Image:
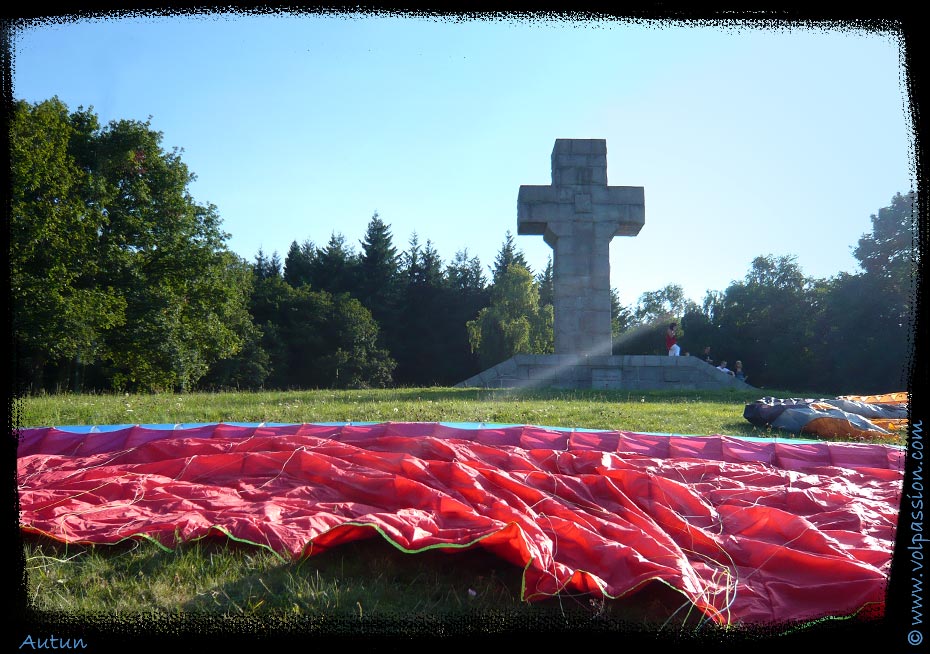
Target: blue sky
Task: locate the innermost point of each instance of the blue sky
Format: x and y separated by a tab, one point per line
747	140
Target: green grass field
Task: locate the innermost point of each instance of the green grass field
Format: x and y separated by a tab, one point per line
362	581
656	411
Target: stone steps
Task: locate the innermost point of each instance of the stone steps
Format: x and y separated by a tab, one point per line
626	372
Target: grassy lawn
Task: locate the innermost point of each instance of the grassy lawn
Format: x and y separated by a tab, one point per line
365	582
717	412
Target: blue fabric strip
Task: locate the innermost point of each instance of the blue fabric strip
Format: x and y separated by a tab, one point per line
91	429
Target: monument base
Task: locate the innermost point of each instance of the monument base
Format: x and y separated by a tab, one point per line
626	372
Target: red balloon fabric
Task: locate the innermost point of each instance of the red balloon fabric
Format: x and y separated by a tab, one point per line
749	531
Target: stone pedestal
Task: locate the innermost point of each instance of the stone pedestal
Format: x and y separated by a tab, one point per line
627	372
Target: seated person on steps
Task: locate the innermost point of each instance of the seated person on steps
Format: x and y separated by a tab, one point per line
738	371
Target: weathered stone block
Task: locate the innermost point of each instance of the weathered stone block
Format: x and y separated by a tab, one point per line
508	366
579	146
650	373
671	375
606	374
536	372
583	203
569	160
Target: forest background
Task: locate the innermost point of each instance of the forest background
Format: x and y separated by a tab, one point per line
120	281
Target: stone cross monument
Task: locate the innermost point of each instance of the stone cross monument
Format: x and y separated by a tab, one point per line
577	216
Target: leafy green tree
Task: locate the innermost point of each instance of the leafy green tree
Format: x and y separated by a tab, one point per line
641	330
890	258
776	273
137	271
357	361
668	302
864	343
312	339
60	312
249	368
866	326
767	321
711	306
328	341
514	322
847	334
168	256
890	250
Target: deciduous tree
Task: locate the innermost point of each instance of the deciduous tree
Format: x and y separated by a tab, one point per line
113	262
513	323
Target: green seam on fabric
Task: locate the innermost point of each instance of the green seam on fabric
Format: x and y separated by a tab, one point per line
807	624
432	547
165	548
523	597
248	542
400	547
137	537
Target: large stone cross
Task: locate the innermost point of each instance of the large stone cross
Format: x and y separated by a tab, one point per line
578	215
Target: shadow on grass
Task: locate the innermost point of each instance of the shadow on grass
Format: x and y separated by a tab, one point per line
367	584
374	584
363	590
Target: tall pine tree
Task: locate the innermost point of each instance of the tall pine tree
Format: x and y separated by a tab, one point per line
378	271
298	264
507	256
334	267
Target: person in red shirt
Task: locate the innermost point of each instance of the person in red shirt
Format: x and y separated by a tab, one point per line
671	340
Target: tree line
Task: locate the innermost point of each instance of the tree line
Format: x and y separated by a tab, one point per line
120	280
847	334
